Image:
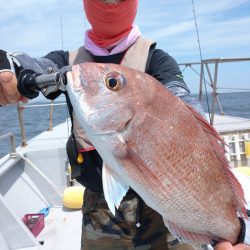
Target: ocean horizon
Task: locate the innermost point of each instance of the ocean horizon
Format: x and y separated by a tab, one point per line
36	120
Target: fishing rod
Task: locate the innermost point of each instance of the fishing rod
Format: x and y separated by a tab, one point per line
201	58
31	83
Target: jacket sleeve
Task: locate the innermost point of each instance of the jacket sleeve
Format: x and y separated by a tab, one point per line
166	70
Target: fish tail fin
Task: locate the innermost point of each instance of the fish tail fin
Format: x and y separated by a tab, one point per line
217	144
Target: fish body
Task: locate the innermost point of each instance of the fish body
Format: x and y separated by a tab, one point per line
156	144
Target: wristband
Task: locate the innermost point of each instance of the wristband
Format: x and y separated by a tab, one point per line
247	232
244	236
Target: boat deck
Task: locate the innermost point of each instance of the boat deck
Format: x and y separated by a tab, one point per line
62	229
40	170
230	124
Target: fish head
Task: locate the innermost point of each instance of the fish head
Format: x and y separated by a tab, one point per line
106	96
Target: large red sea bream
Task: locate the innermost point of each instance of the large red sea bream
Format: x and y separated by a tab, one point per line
154	143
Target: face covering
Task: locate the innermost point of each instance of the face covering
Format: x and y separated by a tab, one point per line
110	22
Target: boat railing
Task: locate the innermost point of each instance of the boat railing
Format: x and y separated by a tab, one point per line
12	138
204	68
206	78
207	71
20	108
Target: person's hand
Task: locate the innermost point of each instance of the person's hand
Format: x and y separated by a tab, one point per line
225	245
8	89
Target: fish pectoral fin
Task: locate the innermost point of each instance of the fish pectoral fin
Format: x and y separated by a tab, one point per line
114	190
186	236
147	173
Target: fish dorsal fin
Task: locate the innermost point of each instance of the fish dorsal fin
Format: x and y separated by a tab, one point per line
184	235
114	190
217	144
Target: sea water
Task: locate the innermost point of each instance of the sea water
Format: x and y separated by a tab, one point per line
37	119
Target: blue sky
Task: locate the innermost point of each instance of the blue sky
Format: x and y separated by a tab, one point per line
224	28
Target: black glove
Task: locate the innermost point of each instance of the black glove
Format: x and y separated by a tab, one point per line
6	62
11	64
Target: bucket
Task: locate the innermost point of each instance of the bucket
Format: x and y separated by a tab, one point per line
35	222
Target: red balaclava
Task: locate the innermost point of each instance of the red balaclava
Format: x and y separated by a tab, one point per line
110	22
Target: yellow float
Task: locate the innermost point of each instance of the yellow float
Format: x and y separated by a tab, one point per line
73	197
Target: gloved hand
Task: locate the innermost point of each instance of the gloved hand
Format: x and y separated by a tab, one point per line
8	81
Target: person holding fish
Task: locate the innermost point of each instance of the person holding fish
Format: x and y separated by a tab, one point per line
132	224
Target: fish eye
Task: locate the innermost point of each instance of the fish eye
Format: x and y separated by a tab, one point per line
114	81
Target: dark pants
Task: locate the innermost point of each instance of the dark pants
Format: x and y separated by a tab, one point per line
135	226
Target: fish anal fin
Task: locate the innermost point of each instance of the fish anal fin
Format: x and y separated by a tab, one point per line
113	189
187	236
217	144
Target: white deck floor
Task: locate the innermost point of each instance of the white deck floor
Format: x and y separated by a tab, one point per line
62	230
224	123
63	227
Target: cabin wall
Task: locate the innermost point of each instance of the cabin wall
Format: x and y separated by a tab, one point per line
236	146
